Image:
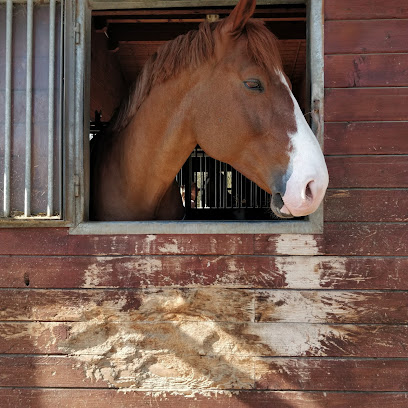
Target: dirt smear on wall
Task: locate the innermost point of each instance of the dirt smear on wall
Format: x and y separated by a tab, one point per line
182	341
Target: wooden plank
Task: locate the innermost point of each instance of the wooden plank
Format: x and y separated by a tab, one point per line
163	32
330	306
375	104
92	398
365	36
306	272
334	374
366	70
270	373
340	239
57	241
366	205
337	239
252	339
208	304
365	9
368	171
131	305
365	138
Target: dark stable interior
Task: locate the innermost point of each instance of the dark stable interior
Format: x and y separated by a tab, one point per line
123	40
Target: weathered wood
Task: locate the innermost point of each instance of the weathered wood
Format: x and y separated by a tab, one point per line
331	306
368	171
270	373
306	272
376	104
365	36
252	339
206	304
83	398
365	138
57	241
366	70
340	239
366	205
364	9
334	374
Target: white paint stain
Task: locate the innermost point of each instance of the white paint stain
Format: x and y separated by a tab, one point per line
170	248
310	272
296	244
94	274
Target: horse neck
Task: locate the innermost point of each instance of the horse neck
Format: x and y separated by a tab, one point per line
152	149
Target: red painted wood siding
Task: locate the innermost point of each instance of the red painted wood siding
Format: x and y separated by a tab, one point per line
244	320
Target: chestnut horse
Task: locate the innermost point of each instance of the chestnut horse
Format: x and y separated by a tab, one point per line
221	87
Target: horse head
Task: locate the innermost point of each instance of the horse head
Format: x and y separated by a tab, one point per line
246	115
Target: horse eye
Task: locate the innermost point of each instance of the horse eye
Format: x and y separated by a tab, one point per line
254	84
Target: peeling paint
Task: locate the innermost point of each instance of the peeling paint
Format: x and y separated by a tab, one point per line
310	272
296	244
170	248
187	342
94	273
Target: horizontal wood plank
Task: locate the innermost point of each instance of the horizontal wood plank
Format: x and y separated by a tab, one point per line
253	339
365	36
366	205
57	241
333	307
368	171
270	373
337	239
365	9
362	138
306	272
83	398
348	71
207	304
334	374
372	104
372	239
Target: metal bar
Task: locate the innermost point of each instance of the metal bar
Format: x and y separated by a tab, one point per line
200	203
215	183
7	125
205	189
51	94
29	96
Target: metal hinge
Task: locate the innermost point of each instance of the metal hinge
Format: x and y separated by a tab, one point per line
77	31
76	185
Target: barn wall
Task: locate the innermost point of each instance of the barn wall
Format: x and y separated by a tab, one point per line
255	320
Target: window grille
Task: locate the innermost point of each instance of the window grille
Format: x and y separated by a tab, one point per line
30	109
218	191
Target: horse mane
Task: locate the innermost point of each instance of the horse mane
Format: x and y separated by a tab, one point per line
189	51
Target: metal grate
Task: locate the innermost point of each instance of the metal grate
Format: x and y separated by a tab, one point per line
218	191
31	99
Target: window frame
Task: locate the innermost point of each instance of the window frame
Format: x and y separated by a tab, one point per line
76	123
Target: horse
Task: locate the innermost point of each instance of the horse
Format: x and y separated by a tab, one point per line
221	87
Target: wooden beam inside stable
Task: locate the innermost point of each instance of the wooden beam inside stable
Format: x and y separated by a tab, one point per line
298	10
186	20
162	32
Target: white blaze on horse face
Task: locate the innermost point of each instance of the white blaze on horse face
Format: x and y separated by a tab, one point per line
309	177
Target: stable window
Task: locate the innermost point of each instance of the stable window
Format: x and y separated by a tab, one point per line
99	48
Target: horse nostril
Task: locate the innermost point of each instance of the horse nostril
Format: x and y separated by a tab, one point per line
308	191
277	200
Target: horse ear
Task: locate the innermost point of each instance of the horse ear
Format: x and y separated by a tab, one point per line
240	15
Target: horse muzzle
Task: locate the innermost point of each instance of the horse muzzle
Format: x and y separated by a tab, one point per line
305	190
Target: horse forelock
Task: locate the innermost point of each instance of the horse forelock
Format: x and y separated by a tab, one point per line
189	51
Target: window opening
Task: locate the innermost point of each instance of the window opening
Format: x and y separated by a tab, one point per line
123	40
